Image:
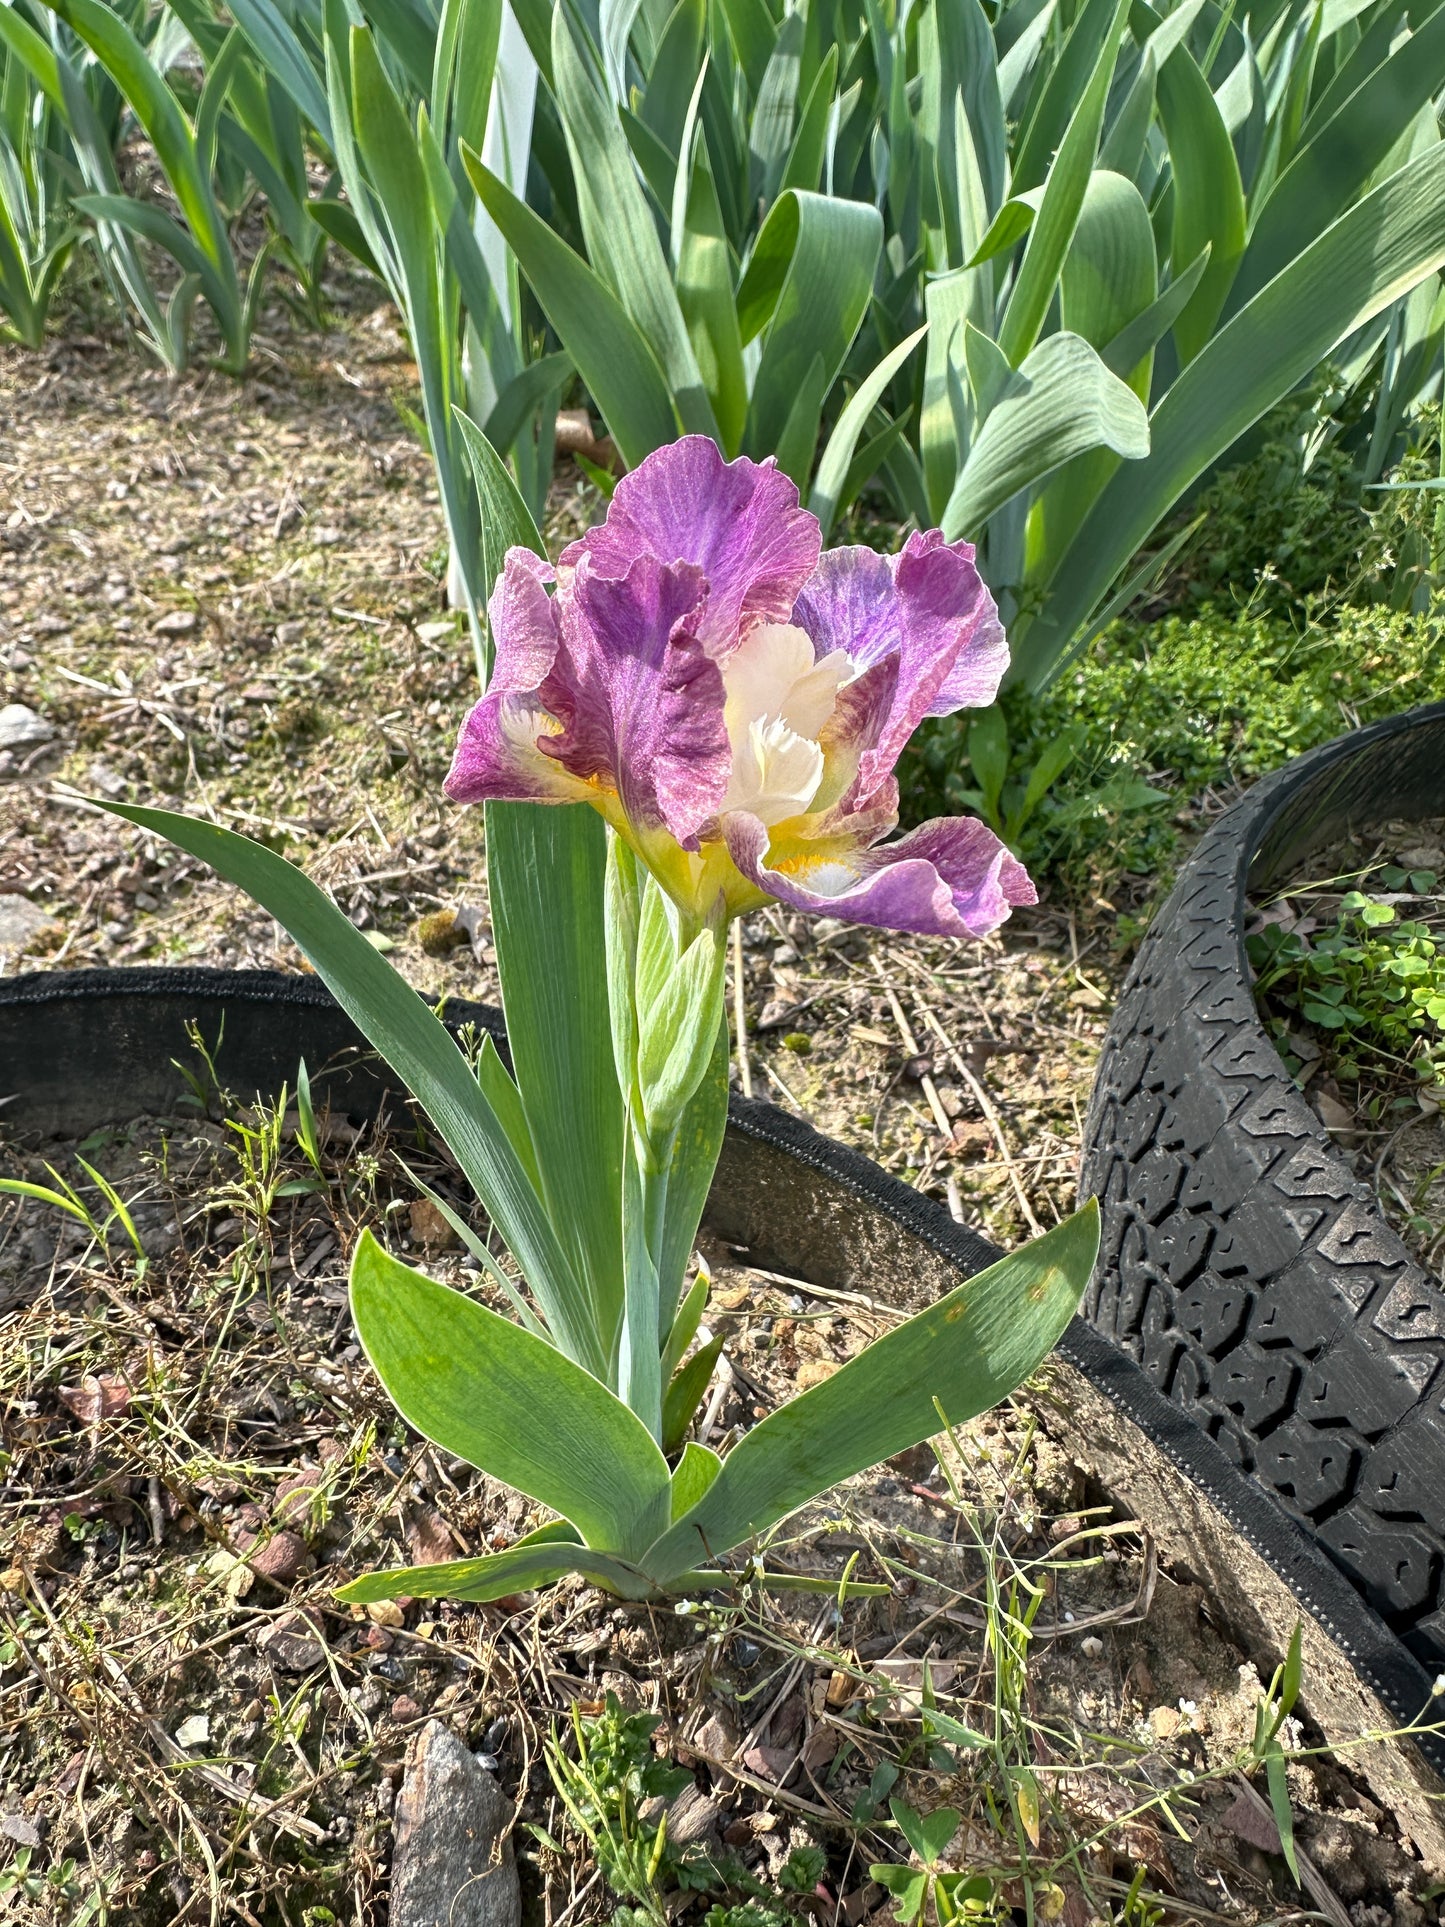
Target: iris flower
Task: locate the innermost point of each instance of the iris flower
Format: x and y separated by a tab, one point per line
734	699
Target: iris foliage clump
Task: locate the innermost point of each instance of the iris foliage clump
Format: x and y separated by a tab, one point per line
1026	273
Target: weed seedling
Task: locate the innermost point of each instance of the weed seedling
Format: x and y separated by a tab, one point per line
66	1198
59	1885
1374	983
607	1791
955	1896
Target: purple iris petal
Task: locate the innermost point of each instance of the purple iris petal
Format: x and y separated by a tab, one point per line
948	878
926	610
739	522
639	699
495	758
943	595
523	621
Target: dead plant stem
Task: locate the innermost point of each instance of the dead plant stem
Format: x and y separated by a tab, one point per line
995	1123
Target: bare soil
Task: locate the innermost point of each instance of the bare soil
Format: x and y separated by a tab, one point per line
199	1456
230	598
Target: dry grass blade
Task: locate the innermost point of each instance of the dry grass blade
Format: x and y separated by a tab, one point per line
995	1123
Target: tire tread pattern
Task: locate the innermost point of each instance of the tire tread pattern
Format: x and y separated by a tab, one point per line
1244	1266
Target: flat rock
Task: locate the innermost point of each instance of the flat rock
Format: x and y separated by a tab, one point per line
179	622
452	1865
20	919
695	1818
22	728
103	778
292	1646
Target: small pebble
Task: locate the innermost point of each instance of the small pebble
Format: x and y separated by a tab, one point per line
179	622
22	728
20	920
280	1559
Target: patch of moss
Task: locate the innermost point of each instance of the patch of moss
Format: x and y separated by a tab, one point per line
438	933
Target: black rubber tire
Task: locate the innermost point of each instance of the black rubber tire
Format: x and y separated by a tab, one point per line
1244	1266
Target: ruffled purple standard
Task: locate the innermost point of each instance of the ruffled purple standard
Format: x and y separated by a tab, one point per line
739	522
624	680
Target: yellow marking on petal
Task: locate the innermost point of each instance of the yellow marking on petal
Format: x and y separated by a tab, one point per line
696	880
796	853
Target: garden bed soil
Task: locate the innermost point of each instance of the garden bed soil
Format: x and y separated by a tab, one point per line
229	597
1387	1125
200	1455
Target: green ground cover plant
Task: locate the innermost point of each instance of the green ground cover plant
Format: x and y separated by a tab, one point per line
1374	981
1156	714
